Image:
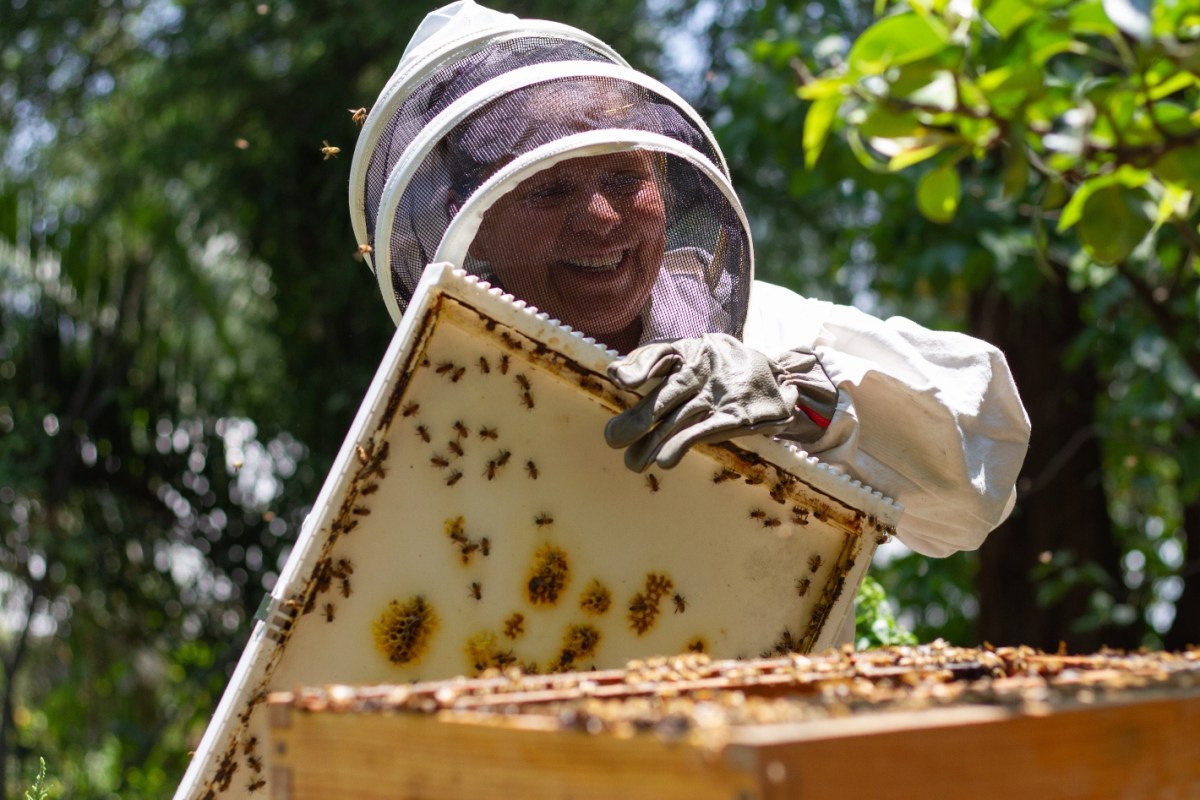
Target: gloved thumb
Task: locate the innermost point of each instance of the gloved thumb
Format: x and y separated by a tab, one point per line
644	363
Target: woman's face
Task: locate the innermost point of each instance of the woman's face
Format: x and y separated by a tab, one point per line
583	241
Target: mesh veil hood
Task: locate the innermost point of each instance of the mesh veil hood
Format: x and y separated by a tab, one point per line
530	154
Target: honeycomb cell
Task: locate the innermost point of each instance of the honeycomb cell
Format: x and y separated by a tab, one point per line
403	630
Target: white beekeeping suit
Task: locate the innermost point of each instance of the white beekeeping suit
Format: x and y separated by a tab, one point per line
529	154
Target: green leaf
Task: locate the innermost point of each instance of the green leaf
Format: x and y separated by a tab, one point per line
1006	16
895	41
913	155
1114	222
938	194
821	88
818	122
1128	177
1016	171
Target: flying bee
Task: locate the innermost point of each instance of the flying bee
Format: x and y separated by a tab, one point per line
532	469
724	475
485	546
758	513
456	376
358	115
484	366
455	448
476	590
453	478
681	603
814	562
502	459
410	409
423	432
444	367
461	429
523	382
328	150
652	482
542	520
504	364
345	587
527	400
487	433
802	585
329	612
439	461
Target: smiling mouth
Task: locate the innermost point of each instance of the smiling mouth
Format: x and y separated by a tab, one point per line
603	263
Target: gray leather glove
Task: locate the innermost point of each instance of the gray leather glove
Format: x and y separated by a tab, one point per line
716	388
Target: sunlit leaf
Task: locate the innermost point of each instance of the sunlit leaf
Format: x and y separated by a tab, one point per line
1127	177
906	157
938	193
1114	222
896	40
817	124
1006	16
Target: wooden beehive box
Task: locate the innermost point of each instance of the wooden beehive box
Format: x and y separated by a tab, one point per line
475	519
903	723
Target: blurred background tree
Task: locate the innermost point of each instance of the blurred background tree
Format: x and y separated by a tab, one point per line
185	334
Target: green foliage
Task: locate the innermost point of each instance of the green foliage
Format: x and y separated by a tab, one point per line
37	790
875	623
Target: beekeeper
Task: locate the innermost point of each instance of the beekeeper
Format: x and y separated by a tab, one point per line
530	154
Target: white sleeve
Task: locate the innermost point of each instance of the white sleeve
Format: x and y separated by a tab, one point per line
930	418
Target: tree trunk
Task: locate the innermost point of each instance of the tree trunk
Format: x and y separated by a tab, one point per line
1061	517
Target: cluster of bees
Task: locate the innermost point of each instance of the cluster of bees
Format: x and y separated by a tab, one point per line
644	607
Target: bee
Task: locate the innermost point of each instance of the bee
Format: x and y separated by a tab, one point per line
344	568
361	511
256	763
328	150
485	546
802	585
754	480
814	562
758	513
363	250
456	376
345	587
771	522
532	469
329	612
484	366
680	603
455	448
777	493
423	432
476	590
489	471
724	475
523	382
542	520
502	459
249	745
799	515
361	453
590	384
652	482
487	433
466	550
504	364
439	461
358	115
461	429
410	409
370	488
453	478
527	400
258	784
444	367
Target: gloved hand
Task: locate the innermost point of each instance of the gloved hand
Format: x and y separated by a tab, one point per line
716	388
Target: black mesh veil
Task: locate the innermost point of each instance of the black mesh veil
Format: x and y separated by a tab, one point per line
576	184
